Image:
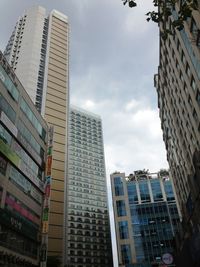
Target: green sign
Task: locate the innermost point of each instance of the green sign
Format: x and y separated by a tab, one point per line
49	153
45	216
11	155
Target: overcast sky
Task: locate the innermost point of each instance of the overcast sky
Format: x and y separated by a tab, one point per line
113	58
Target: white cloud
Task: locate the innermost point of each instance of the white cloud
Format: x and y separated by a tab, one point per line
88	104
132	137
131	105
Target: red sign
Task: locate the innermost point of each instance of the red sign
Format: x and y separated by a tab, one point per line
47	191
49	163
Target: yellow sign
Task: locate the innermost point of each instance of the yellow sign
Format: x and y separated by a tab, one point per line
45	227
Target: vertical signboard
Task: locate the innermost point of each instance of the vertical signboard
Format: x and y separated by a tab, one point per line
46	204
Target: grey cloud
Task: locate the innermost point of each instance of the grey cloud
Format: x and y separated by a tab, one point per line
113	57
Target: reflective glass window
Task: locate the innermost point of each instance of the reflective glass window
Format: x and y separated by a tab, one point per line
144	191
32	118
169	190
126	254
118	183
132	193
7	109
4	135
123	230
25	157
28	136
9	84
121	208
156	190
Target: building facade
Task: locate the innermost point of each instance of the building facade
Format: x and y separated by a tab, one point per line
88	231
23	148
146	218
178	88
38	52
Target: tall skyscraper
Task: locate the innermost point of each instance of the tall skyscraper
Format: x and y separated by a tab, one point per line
38	51
146	218
178	88
23	148
88	232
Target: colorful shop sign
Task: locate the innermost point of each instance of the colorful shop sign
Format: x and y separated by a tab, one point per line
18	224
49	163
45	214
11	155
45	227
47	187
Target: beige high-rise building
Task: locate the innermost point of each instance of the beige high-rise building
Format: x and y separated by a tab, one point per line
178	88
38	53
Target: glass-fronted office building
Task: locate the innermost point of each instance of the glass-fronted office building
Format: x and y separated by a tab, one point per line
87	223
23	141
146	218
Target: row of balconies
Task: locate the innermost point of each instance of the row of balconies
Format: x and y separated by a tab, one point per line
85	120
88	234
88	227
83	260
88	214
93	240
87	253
86	220
89	246
86	129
